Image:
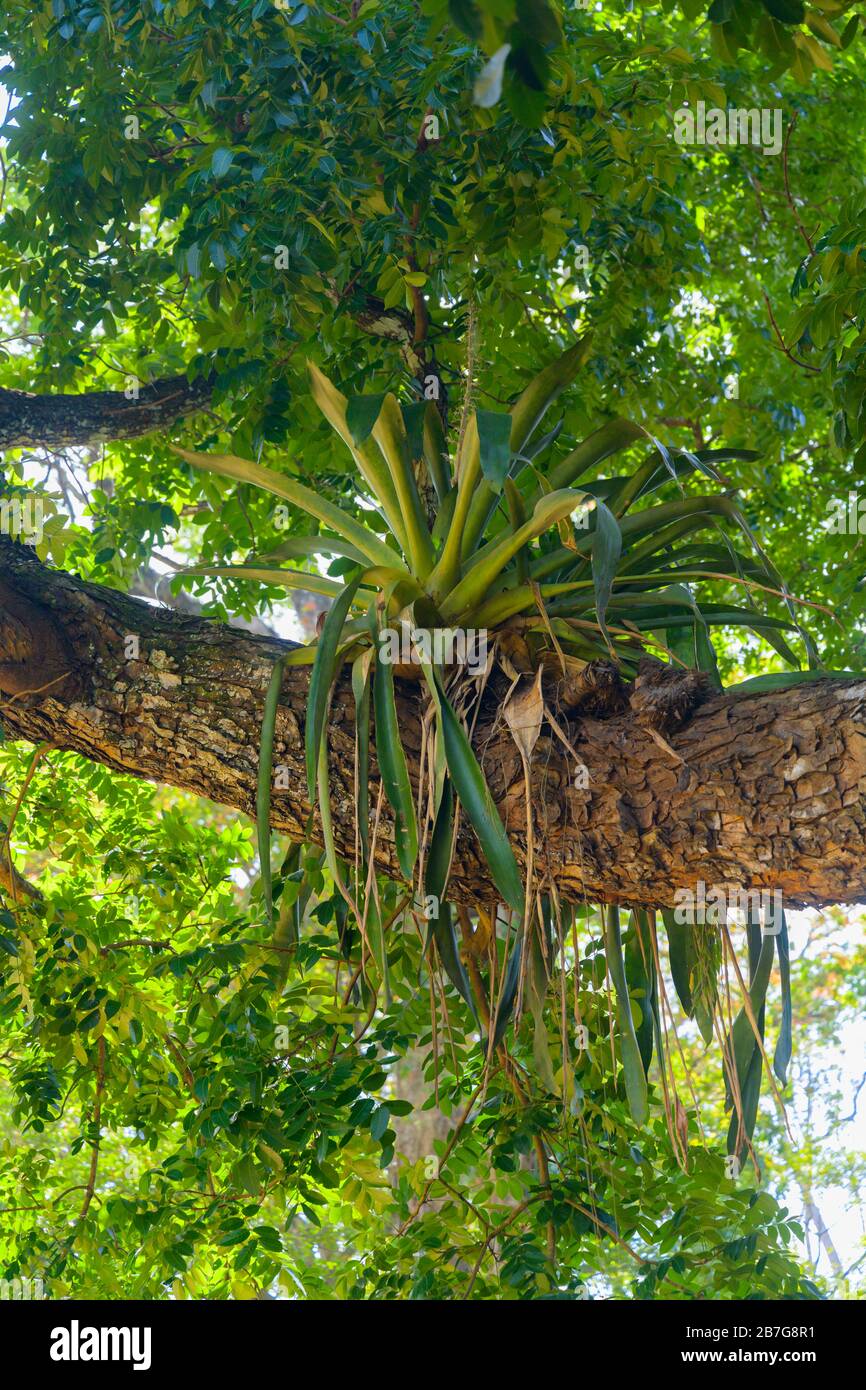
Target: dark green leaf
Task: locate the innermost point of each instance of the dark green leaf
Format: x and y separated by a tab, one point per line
494	435
478	804
362	412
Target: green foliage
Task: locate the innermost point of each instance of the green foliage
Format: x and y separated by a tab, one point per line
248	1130
223	190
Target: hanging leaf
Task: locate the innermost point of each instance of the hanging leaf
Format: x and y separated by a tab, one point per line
509	993
640	974
471	787
784	1044
449	953
392	765
263	790
742	1127
536	989
361	695
740	1042
632	1063
439	853
322	678
681	955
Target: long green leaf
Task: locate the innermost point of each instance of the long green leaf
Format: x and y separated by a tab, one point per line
449	953
361	694
632	1062
392	765
681	954
493	558
508	996
640	974
784	1043
389	432
263	790
536	398
494	434
741	1041
609	439
245	471
371	466
322	678
287	579
478	804
606	550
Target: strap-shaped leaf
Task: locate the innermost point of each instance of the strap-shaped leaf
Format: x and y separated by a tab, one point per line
298	547
681	953
425	437
440	927
781	680
446	571
492	558
606	550
536	398
439	853
517	517
632	1063
494	435
475	798
509	993
640	974
389	433
449	953
392	765
361	695
742	1126
526	414
263	790
322	678
741	1042
245	471
371	466
784	1044
609	439
288	579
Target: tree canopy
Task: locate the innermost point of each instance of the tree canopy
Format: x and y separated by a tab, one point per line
425	313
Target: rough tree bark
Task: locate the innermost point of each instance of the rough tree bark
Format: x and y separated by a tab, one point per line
28	420
770	792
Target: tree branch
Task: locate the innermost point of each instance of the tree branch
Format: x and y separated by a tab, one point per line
769	790
31	420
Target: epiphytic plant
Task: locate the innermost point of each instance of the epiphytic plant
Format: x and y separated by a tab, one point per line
557	564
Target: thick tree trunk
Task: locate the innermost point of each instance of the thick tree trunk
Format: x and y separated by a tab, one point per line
29	420
766	790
